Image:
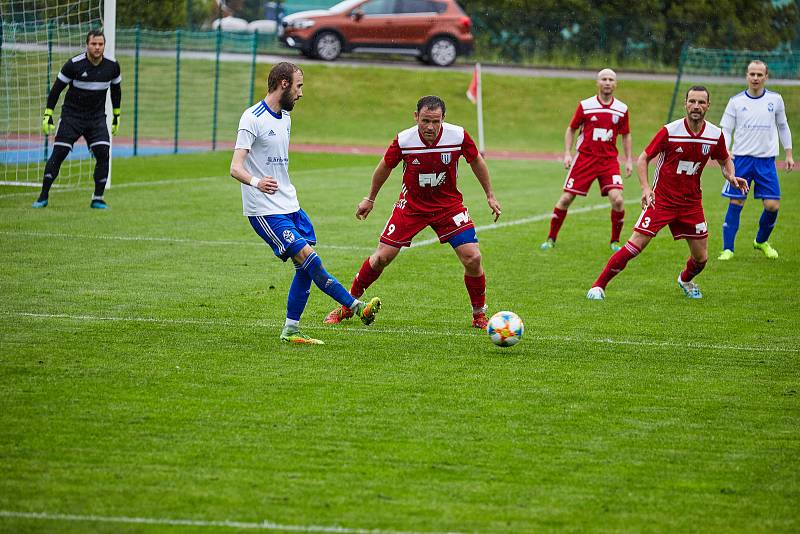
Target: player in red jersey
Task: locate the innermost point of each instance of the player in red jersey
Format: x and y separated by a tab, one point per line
600	119
429	197
683	148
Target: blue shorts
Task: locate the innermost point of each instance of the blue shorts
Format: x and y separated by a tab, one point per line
286	234
762	171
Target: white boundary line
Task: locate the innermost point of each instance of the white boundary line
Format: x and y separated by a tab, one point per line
169	240
263	525
457	330
525	220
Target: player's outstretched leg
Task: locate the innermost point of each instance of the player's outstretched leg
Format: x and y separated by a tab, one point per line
363	279
615	265
295	304
331	287
51	170
729	229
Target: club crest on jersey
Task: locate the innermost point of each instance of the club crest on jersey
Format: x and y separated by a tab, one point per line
770	107
706	149
446	156
288	236
615	119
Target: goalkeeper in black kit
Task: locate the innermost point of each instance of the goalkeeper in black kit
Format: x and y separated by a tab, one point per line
89	75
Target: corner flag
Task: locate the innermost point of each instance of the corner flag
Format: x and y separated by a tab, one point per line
475	95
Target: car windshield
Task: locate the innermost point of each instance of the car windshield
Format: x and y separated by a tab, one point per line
345	6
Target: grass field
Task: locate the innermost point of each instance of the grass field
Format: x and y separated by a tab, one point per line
142	376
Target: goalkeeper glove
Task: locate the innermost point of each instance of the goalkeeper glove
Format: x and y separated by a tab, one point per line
47	122
115	121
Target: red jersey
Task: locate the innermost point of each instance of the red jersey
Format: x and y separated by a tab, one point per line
600	124
682	155
430	170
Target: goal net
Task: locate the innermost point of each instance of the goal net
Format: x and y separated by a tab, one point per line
37	37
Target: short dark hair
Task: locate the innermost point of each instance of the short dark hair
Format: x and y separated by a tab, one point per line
431	102
95	33
758	62
282	71
698	88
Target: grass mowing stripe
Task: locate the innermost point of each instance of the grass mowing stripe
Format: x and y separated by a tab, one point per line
263	525
168	240
457	331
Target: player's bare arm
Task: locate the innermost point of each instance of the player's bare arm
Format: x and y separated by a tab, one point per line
265	184
627	148
482	174
729	173
379	177
569	138
648	197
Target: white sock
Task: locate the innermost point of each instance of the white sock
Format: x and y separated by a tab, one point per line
292	323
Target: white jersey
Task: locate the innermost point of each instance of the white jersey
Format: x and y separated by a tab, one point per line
266	136
756	124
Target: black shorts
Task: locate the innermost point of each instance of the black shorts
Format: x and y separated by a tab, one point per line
93	129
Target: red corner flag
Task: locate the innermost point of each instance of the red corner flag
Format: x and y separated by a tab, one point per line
472	90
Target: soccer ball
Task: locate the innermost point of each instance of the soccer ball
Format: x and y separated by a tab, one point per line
505	328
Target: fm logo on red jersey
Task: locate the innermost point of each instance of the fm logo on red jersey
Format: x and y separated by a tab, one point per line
688	167
602	134
432	179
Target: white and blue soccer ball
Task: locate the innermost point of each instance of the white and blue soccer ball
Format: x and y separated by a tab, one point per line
505	328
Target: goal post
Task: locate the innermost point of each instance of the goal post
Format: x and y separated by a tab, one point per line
36	38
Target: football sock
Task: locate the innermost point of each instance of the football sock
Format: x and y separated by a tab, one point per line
616	263
617	220
298	294
291	325
100	169
476	287
693	268
327	283
731	226
365	277
765	225
555	223
51	169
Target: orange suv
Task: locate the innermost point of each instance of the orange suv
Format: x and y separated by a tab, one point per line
436	31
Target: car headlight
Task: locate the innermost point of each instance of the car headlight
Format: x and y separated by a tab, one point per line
301	24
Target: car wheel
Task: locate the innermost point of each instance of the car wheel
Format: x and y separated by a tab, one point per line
442	51
327	46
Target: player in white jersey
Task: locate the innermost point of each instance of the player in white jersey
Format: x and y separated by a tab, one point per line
755	120
261	163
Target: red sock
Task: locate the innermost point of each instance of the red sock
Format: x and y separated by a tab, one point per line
476	287
366	275
616	263
693	268
555	223
617	220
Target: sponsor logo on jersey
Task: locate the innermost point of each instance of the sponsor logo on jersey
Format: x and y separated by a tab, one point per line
706	149
744	108
461	218
288	236
84	75
700	228
446	157
431	179
594	118
679	149
271	132
415	162
602	134
688	167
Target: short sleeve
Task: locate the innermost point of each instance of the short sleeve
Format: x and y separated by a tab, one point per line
720	150
728	121
577	118
393	154
67	72
625	124
657	145
247	131
468	148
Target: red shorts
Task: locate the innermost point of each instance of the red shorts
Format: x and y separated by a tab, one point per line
684	222
585	169
403	225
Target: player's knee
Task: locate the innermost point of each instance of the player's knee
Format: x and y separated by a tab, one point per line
565	201
737	202
772	205
472	260
59	154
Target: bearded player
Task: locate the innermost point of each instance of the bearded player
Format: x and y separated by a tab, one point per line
430	151
683	148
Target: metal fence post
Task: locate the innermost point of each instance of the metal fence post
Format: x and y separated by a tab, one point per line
177	86
138	45
253	69
681	63
216	89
